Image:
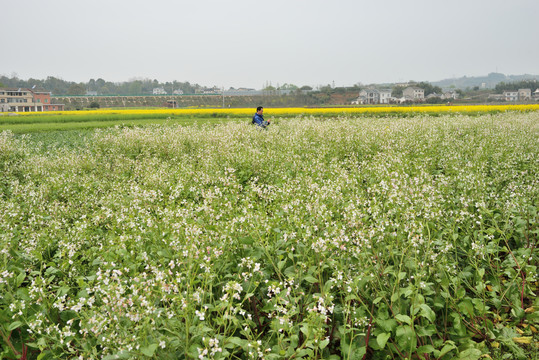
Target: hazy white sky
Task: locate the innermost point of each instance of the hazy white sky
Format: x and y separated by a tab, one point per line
249	42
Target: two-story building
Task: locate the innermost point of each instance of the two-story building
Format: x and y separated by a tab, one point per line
524	94
413	94
27	100
373	96
385	96
510	95
368	96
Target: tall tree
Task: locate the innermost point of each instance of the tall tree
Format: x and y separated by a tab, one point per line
397	91
76	89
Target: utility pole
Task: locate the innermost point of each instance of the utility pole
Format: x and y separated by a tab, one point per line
223	92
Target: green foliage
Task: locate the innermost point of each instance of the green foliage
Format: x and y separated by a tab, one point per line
76	89
132	87
320	238
516	85
429	88
435	100
396	91
286	86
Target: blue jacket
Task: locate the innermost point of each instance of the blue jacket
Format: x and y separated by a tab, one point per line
259	120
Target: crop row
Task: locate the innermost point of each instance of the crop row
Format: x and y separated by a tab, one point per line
233	112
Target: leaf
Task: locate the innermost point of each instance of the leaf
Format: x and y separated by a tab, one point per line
382	339
305	353
355	352
311	279
404	318
96	262
425	349
14	325
324	343
427	313
428	330
149	350
466	307
387	325
63	290
237	341
406	337
470	354
247	240
20	278
407	292
294	340
523	340
290	271
68	315
447	348
43	355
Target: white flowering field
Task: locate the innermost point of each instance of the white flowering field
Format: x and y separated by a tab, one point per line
352	238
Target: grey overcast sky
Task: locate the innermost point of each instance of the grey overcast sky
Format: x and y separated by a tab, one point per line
246	43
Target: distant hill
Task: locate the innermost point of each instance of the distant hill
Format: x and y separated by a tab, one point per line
490	81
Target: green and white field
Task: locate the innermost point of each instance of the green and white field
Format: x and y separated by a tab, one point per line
320	238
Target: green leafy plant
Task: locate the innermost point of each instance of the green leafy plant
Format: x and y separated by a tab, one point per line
330	238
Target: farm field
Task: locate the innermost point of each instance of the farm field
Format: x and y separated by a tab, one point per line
327	236
103	118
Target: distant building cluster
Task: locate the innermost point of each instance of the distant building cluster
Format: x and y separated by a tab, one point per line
204	90
409	94
159	91
516	95
26	100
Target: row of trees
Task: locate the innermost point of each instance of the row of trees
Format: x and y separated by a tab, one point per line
137	86
145	86
514	86
132	87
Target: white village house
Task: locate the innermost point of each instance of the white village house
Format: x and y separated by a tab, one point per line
510	95
159	91
373	96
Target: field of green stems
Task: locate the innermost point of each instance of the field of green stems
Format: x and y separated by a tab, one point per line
319	238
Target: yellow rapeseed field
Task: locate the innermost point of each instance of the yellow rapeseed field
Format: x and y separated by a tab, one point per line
306	111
